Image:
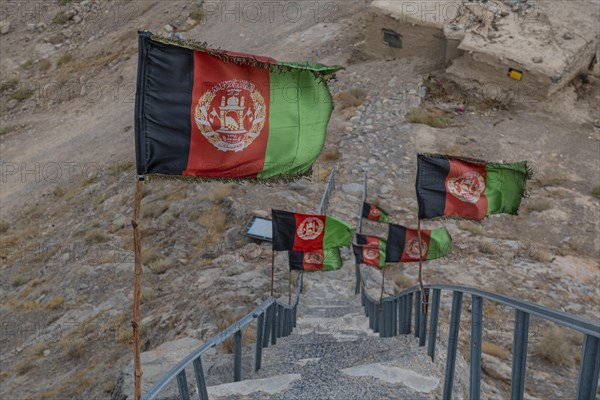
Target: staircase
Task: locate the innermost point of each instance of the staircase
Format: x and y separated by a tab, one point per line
333	354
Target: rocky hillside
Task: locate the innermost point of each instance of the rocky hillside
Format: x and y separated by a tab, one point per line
67	86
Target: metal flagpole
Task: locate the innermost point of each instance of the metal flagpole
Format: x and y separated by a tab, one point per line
423	299
272	269
357	288
137	290
382	286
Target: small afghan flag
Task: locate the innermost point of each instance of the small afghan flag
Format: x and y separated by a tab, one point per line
317	260
455	187
403	244
308	232
205	113
373	213
370	250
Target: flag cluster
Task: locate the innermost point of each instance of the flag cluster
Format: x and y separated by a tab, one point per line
313	241
401	245
446	186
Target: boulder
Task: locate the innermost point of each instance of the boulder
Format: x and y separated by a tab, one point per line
4	27
155	364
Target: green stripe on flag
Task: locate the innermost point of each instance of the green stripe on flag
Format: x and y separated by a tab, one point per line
382	246
440	243
301	106
331	259
337	233
505	184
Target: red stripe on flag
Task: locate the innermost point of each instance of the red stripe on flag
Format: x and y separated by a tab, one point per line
411	245
310	231
465	190
230	119
371	251
313	260
374	213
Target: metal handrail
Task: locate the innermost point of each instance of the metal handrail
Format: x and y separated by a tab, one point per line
329	187
274	320
393	316
279	322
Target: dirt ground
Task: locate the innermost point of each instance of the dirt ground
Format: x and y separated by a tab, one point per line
66	192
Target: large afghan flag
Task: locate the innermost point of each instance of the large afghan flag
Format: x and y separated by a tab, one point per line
455	187
403	244
216	114
373	212
317	260
308	232
370	250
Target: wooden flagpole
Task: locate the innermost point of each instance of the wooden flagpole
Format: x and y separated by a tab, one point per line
137	291
423	299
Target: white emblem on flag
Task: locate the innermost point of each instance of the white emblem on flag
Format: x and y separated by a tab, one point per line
412	248
467	187
310	228
231	115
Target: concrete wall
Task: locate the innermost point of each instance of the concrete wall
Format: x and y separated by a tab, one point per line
424	42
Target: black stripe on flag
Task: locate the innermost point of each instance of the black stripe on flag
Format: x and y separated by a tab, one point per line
284	230
358	254
296	260
431	185
395	243
361	239
163	121
365	210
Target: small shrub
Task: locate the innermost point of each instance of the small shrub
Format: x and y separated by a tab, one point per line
6	130
161	266
64	59
44	65
76	349
38	349
248	333
433	118
21	95
403	281
25	366
118	168
331	155
95	236
351	98
64	2
554	347
538	205
18	280
125	335
490	248
472	227
11	84
494	350
150	255
148	294
56	303
154	210
4	226
552	180
220	193
27	63
196	15
596	192
214	220
60	18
